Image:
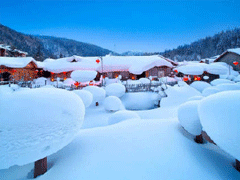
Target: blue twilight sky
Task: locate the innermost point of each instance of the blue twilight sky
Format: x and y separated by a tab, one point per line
121	25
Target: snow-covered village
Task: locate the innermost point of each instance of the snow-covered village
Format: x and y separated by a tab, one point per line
76	111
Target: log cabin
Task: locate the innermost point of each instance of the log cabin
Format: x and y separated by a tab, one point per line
230	56
18	69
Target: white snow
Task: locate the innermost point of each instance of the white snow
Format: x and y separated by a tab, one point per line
191	69
86	97
228	87
200	85
210	90
188	117
115	89
42	81
219	115
235	50
220	81
122	115
198	68
177	95
140	100
237	79
112	103
69	82
97	92
195	98
37	123
83	75
144	80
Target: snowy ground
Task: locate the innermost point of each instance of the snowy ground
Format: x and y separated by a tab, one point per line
154	147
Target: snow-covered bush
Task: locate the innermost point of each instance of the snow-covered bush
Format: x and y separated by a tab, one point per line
112	103
68	82
140	100
178	95
122	116
188	117
219	114
86	97
210	90
200	85
144	80
220	81
182	83
42	81
37	123
97	92
83	75
228	87
115	89
237	79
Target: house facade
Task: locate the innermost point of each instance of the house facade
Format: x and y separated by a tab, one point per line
18	69
230	56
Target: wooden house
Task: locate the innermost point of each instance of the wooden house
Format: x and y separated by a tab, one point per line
231	57
18	69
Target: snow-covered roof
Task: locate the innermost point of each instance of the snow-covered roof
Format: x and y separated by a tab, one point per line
133	64
3	46
21	52
236	50
199	68
16	62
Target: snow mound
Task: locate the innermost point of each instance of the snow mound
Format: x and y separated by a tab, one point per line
228	87
200	85
112	103
122	116
144	80
220	119
210	90
86	97
215	68
97	92
115	89
191	69
188	117
195	98
140	100
237	79
37	123
42	81
48	86
220	81
69	82
83	75
182	83
178	95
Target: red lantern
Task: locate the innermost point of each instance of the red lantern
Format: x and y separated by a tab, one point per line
91	83
97	61
0	71
176	71
64	73
185	79
76	84
235	63
199	78
52	73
